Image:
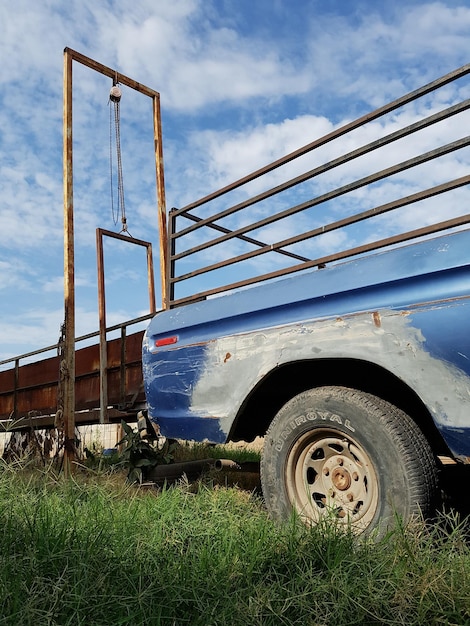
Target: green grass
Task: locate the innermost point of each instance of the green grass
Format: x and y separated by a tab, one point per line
188	451
93	551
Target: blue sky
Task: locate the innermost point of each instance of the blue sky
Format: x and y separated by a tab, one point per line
241	84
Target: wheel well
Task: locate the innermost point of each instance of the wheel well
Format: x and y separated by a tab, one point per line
286	381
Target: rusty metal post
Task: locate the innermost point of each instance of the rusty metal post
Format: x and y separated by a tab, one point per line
157	130
100	234
151	280
15	389
68	365
161	202
102	322
122	369
171	265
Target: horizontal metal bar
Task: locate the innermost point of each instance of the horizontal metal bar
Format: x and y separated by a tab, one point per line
348	221
379	112
335	193
82	418
256	242
127	238
321	261
107	71
26	355
350	156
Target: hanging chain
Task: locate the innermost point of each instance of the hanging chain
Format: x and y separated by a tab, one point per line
115	217
115	98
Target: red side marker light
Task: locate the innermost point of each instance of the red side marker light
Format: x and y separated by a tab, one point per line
166	341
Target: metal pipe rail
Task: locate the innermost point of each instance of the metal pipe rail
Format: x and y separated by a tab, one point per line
29	391
283	205
96	333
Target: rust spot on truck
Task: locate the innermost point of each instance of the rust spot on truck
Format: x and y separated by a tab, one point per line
377	319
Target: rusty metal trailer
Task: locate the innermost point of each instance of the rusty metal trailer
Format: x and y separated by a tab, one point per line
31	394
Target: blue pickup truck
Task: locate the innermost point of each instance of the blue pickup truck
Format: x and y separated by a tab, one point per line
352	363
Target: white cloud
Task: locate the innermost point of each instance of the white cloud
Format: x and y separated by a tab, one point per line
11	274
237	91
389	52
194	62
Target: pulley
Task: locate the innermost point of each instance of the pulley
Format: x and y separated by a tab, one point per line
115	93
115	97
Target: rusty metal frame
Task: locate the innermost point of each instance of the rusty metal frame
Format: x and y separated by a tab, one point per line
16	360
100	233
176	236
29	387
67	375
339	132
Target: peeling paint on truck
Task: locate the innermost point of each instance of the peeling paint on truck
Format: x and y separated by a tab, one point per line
397	346
412	323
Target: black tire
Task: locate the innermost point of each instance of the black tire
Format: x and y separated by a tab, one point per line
345	455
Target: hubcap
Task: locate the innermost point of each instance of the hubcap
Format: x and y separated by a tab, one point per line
328	475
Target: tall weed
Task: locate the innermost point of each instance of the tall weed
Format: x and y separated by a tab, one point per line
91	550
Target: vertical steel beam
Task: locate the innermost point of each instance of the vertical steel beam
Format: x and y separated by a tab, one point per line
161	202
122	369
171	263
104	391
68	365
151	280
102	322
15	389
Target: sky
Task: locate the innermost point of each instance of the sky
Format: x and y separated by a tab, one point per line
241	84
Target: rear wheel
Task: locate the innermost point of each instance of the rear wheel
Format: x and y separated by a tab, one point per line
341	454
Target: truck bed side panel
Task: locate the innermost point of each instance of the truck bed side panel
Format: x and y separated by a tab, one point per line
405	310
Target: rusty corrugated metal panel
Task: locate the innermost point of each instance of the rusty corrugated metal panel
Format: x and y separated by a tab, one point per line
37	384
